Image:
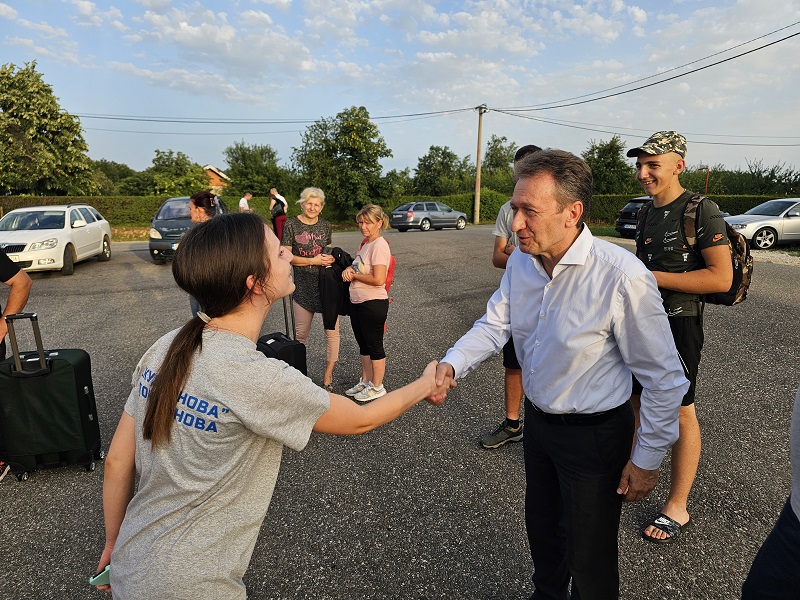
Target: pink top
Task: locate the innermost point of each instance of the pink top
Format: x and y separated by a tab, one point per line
373	253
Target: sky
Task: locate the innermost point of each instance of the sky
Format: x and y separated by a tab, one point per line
541	67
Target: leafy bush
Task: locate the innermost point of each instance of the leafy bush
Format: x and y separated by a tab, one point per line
136	211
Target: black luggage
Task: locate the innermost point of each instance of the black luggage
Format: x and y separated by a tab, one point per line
279	345
48	415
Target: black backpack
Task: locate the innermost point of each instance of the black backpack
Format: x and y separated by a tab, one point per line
740	252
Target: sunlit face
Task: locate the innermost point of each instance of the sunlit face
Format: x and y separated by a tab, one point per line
656	173
543	228
279	282
369	229
312	207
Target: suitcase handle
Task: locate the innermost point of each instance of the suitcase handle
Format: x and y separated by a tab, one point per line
19	371
288	315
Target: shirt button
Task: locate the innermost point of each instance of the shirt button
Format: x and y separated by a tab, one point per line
538	344
541	315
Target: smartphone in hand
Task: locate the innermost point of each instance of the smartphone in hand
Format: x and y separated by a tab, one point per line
102	578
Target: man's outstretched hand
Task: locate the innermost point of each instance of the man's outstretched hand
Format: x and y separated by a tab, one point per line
445	381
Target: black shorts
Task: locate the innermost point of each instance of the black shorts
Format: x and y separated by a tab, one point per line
688	335
510	355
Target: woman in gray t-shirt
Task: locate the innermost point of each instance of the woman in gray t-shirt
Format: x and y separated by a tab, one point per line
305	236
204	431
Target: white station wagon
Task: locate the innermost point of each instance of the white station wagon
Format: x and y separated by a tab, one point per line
48	238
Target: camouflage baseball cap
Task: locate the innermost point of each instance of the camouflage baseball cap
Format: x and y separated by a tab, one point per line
662	142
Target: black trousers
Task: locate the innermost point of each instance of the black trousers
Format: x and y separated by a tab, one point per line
774	574
572	508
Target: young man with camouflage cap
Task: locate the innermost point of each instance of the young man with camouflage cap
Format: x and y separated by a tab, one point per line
682	277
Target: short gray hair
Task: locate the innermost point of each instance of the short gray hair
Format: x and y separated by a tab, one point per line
312	192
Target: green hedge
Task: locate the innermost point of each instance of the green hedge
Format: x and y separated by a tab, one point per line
136	211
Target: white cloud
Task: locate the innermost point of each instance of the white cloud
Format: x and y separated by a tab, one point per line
284	4
45	29
637	14
7	12
256	18
66	53
200	83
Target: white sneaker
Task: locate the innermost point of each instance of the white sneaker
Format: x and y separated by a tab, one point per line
370	393
359	387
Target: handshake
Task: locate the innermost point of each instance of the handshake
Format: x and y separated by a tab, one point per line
440	378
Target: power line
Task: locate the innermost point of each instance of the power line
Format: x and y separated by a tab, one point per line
227	121
191	132
641	87
532	106
552	122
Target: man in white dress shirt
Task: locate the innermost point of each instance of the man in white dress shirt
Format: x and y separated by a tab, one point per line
584	314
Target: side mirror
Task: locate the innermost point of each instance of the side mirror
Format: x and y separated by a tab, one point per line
793	213
78	223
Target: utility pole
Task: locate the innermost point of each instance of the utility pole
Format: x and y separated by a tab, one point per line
708	170
476	215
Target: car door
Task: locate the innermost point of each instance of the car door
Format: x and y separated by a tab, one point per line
81	236
94	232
791	224
447	215
434	214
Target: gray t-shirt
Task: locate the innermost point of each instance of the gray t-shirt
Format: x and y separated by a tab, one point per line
502	226
190	529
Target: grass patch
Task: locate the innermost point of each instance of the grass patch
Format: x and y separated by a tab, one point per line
130	234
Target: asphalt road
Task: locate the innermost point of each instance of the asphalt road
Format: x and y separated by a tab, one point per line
417	509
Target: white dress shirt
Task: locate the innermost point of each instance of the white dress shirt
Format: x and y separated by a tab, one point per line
579	335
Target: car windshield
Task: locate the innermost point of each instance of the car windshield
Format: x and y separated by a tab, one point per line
174	209
772	208
402	207
32	220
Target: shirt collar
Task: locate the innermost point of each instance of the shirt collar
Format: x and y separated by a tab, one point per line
576	254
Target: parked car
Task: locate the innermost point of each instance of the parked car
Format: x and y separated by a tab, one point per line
168	226
626	221
426	215
51	238
770	223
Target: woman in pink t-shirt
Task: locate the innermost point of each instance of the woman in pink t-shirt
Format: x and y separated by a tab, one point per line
370	302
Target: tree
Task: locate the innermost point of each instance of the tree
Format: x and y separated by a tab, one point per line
440	172
499	156
108	174
611	172
397	183
341	155
497	171
175	174
43	147
254	168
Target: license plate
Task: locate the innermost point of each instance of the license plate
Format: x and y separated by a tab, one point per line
628	226
174	246
14	257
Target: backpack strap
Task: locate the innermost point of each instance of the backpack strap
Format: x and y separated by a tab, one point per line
689	220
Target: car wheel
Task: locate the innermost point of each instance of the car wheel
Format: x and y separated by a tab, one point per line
402	229
765	238
461	223
425	225
627	234
158	261
69	262
105	254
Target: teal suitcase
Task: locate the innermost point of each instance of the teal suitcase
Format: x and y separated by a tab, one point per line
48	413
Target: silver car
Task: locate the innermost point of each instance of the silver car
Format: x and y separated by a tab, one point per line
426	215
770	223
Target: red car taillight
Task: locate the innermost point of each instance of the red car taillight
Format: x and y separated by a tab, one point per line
409	215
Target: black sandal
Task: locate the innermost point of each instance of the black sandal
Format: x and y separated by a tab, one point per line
669	526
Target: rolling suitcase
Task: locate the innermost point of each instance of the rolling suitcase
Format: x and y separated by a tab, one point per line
48	415
279	345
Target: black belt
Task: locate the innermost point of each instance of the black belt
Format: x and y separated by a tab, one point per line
578	418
